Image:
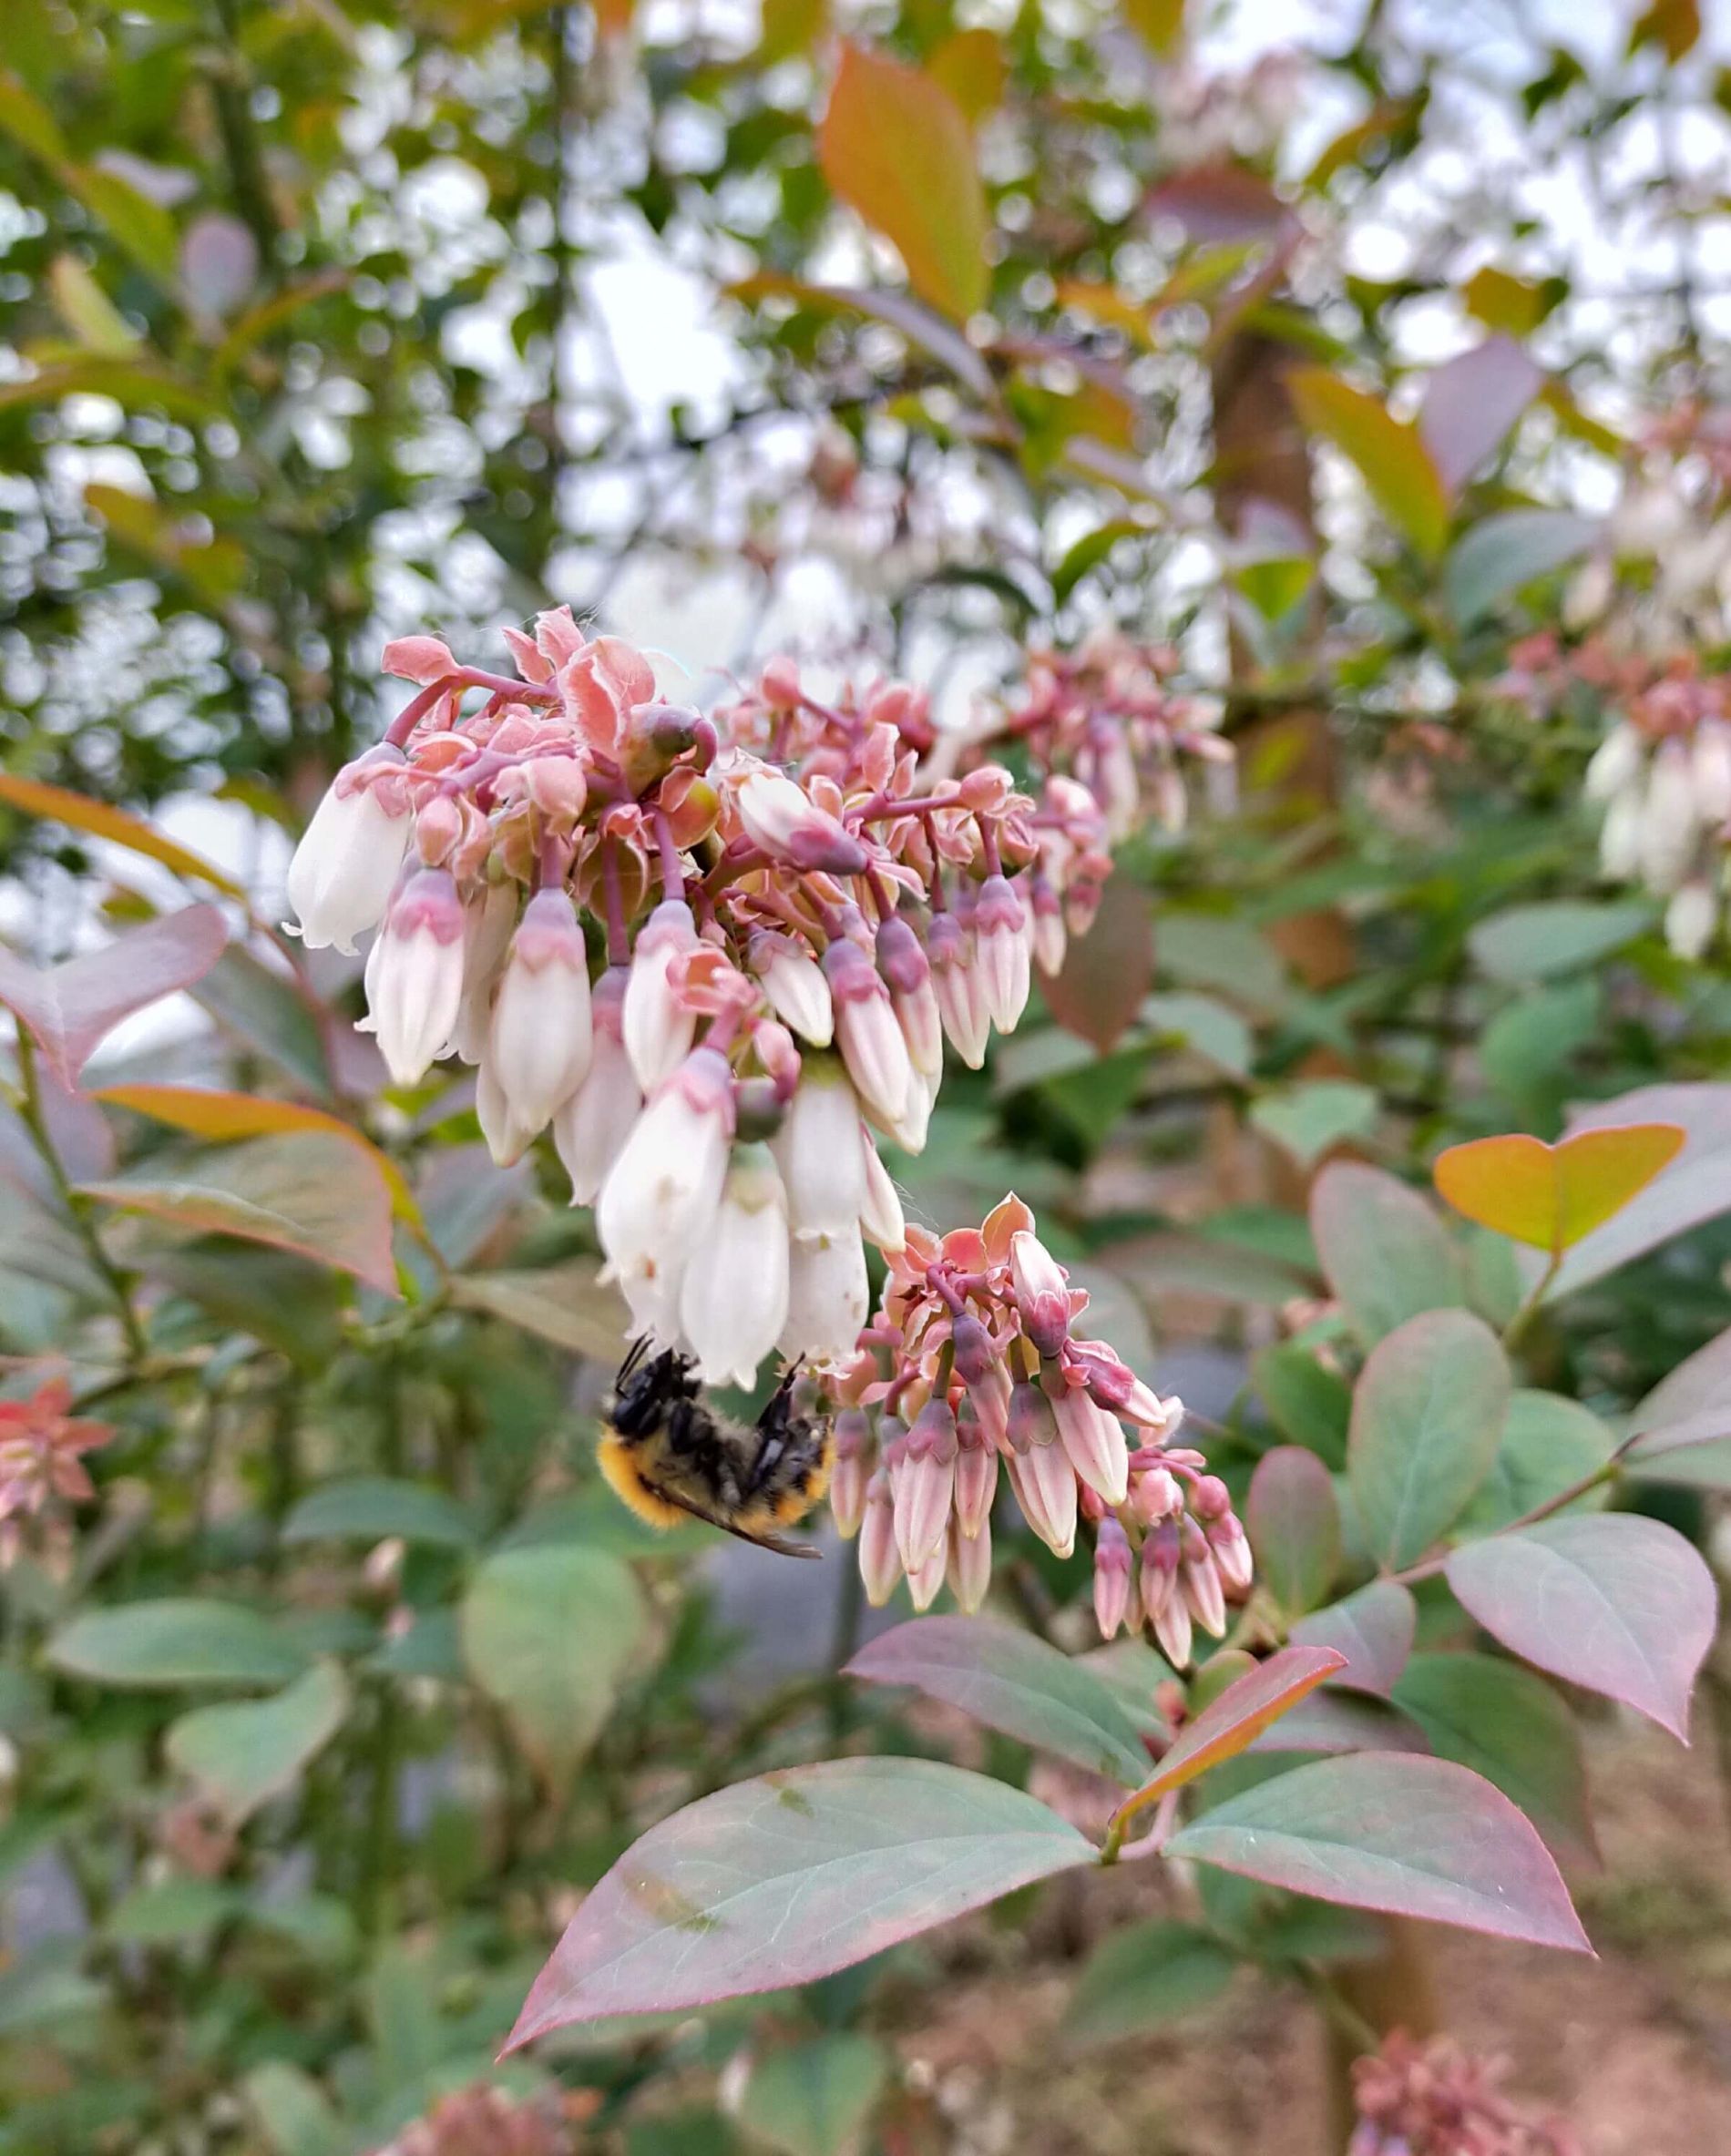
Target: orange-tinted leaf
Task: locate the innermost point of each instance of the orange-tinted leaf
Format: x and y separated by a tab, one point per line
970	64
1157	22
1234	1722
1552	1195
1392	459
895	147
58	804
221	1115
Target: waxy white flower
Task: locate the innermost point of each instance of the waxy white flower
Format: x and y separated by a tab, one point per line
781	818
881	1214
660	1195
541	1039
793	982
959	987
415	976
733	1298
658	1029
1001	939
345	867
591	1127
817	1149
828	1295
489	918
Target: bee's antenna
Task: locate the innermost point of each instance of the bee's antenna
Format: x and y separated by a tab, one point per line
633	1355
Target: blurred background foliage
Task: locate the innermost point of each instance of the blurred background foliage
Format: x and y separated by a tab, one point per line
1343	349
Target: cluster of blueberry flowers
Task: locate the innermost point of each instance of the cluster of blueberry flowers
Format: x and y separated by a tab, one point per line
1435	2099
42	1471
1662	775
720	955
971	1365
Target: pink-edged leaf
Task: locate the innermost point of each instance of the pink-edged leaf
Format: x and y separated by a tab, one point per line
1471	401
1696	1186
1333	1722
1220	203
1232	1723
309	1191
1409	1835
789	1876
1612	1601
1293	1519
1683	1427
1106	973
1011	1681
1382	1248
69	1009
1373	1629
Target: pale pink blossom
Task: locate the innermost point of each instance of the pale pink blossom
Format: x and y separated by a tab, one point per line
345	867
416	977
658	1026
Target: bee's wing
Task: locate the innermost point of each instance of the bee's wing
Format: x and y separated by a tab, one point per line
716	1519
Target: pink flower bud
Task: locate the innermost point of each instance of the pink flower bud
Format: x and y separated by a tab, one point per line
590	1129
975	1354
1154	1495
1231	1545
345	867
924	1584
1209	1497
1203	1594
852	1473
793	982
925	1483
658	1029
1042	1292
425	660
968	1567
1051	938
1160	1557
1031	1420
416	977
541	1040
1112	1577
871	1041
734	1292
880	1563
960	988
1172	1630
999	937
780	817
905	968
1045	1487
1117	1388
989	1397
819	1152
976	1475
1094	1440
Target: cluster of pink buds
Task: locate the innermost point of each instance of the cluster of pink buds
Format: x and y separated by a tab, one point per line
1662	775
1435	2099
41	1469
972	1365
717	956
482	2120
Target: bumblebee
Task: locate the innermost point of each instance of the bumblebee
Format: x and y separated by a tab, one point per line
665	1452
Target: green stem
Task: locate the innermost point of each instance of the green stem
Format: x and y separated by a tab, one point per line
1514	1331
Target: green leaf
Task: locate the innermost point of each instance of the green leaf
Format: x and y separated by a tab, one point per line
241	1756
1142	1977
1294	1523
1503	552
1426	1423
788	1877
547	1632
292	2112
1507	1725
373	1507
814	2098
173	1642
566	1304
1212	1028
170	1911
896	147
1011	1681
1216	951
266	1011
1554	937
1387	1255
1413	1836
1309	1120
1310	1404
1549	1443
1390	456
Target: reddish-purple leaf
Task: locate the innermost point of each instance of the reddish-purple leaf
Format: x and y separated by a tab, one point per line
1684	1424
1471	401
789	1876
1337	1721
1232	1723
69	1009
1106	972
1618	1604
1373	1629
1219	202
1012	1681
1413	1836
1293	1519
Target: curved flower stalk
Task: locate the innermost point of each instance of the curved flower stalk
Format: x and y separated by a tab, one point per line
718	956
972	1368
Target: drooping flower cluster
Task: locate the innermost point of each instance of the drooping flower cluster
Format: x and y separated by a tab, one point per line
486	2121
1435	2099
1662	774
972	1365
787	921
41	1467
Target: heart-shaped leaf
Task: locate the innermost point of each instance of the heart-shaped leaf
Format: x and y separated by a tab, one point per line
1618	1604
1231	1722
70	1008
1011	1681
1292	1519
789	1876
1308	1121
242	1755
1550	1196
1397	1832
1427	1420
